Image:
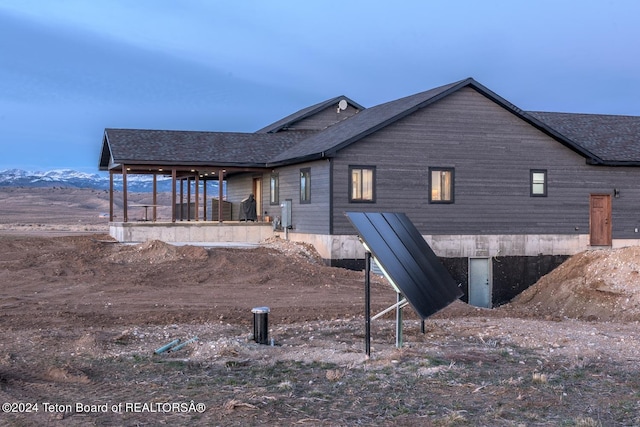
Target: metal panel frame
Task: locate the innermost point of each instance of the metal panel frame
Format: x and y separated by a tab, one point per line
407	261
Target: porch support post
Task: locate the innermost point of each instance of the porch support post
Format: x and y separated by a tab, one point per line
204	199
155	197
181	196
110	196
188	198
125	214
173	195
197	191
220	180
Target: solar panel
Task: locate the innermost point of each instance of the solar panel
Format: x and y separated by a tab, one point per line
406	260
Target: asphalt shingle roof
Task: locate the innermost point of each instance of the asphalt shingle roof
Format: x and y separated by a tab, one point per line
306	112
614	139
197	148
365	122
601	139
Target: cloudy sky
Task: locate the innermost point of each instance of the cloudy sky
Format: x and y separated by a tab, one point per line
70	68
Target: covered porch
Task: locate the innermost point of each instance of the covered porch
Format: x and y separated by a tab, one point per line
190	192
195	211
199	163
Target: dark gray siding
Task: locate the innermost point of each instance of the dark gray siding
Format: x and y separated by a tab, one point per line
324	118
307	217
492	152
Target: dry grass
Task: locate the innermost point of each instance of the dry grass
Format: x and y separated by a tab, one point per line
474	385
76	331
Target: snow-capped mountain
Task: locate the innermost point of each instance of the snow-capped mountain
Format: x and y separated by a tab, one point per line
76	179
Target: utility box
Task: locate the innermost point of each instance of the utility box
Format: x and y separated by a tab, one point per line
261	324
286	214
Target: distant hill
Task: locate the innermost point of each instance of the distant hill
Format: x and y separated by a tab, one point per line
68	178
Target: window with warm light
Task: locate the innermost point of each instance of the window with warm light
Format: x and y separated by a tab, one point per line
441	185
362	184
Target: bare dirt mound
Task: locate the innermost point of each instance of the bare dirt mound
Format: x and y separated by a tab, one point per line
156	251
592	285
94	280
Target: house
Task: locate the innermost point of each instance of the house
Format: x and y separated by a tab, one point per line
502	195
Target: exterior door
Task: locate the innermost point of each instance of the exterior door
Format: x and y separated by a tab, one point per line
257	193
600	219
480	282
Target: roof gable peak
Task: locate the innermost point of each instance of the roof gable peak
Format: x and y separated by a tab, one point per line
339	102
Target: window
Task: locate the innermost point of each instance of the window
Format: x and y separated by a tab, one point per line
274	189
538	183
441	185
305	185
362	184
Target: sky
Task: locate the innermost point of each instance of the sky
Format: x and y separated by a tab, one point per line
71	68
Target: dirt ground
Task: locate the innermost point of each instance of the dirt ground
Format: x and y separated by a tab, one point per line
82	317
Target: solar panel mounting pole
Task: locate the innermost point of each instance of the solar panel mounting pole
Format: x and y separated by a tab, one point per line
367	303
399	306
406	260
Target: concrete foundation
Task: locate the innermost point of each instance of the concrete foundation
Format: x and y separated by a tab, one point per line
191	231
507	245
348	247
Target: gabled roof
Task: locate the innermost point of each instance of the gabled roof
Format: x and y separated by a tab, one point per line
165	147
613	139
340	135
306	112
601	139
356	127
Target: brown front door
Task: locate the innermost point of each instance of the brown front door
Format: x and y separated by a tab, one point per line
600	219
